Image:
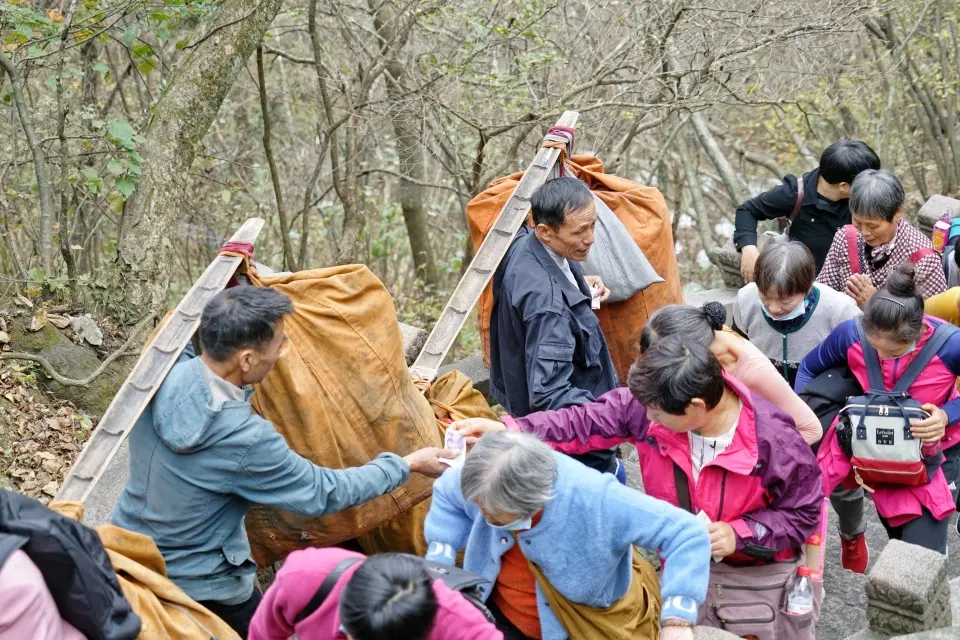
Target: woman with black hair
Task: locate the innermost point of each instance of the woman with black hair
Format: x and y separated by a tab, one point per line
383	597
784	313
896	327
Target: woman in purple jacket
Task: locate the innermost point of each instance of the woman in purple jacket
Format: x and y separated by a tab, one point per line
708	445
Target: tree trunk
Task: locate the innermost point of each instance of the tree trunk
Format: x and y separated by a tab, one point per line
289	261
176	127
47	212
409	147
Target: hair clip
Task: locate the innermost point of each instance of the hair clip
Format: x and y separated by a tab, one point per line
894	301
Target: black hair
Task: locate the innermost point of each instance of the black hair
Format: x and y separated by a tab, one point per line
390	596
693	323
241	317
785	269
876	194
956	257
844	159
556	198
896	310
673	372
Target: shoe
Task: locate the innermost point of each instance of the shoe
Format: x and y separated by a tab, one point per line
854	553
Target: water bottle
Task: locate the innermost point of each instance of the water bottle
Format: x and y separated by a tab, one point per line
801	598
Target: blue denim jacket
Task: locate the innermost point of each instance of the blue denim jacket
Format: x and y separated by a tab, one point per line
195	469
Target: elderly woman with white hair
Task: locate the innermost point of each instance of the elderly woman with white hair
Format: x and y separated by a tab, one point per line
556	541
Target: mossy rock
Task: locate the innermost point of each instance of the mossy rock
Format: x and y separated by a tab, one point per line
72	361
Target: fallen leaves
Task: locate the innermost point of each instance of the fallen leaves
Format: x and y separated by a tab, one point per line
38	321
39	440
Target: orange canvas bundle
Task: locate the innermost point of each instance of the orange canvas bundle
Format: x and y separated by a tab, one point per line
165	611
341	394
642	210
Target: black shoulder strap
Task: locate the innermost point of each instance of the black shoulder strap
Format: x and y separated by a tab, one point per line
871	359
936	341
682	485
325	588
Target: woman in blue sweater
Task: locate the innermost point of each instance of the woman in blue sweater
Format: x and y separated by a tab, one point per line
556	541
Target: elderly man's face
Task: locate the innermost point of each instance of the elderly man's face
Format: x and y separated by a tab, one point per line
573	239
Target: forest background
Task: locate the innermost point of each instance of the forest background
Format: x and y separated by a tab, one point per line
136	135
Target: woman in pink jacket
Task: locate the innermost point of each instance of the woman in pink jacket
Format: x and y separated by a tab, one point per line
708	445
382	597
895	325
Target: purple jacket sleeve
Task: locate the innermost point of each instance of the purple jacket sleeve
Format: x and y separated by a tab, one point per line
614	417
792	486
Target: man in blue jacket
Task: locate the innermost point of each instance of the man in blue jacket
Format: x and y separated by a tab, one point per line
200	457
546	347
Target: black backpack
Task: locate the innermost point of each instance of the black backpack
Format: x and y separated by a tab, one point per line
74	565
464	582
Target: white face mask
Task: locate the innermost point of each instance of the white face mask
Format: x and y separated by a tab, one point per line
913	347
798	311
517	525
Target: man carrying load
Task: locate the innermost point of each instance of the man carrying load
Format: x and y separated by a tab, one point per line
200	458
546	347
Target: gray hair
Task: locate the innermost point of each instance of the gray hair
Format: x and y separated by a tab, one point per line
509	473
876	194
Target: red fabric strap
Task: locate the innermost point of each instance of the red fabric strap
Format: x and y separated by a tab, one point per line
920	254
245	248
853	248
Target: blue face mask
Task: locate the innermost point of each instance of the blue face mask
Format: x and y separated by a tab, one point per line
798	311
517	525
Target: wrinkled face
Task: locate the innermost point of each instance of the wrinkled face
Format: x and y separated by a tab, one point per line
888	347
876	231
691	420
574	237
781	306
255	364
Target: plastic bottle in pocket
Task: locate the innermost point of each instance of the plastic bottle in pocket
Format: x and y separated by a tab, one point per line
800	600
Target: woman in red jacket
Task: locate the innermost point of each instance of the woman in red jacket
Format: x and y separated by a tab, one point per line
384	596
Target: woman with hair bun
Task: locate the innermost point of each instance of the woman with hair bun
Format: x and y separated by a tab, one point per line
896	327
385	596
739	358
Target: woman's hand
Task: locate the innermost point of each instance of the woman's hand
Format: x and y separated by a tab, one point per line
474	428
931	429
860	288
723	541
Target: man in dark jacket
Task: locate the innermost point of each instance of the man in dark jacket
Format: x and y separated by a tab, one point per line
546	347
823	207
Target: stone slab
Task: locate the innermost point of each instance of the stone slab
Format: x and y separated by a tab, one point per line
474	369
907	577
413	340
866	634
724	296
932	209
950	633
710	633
